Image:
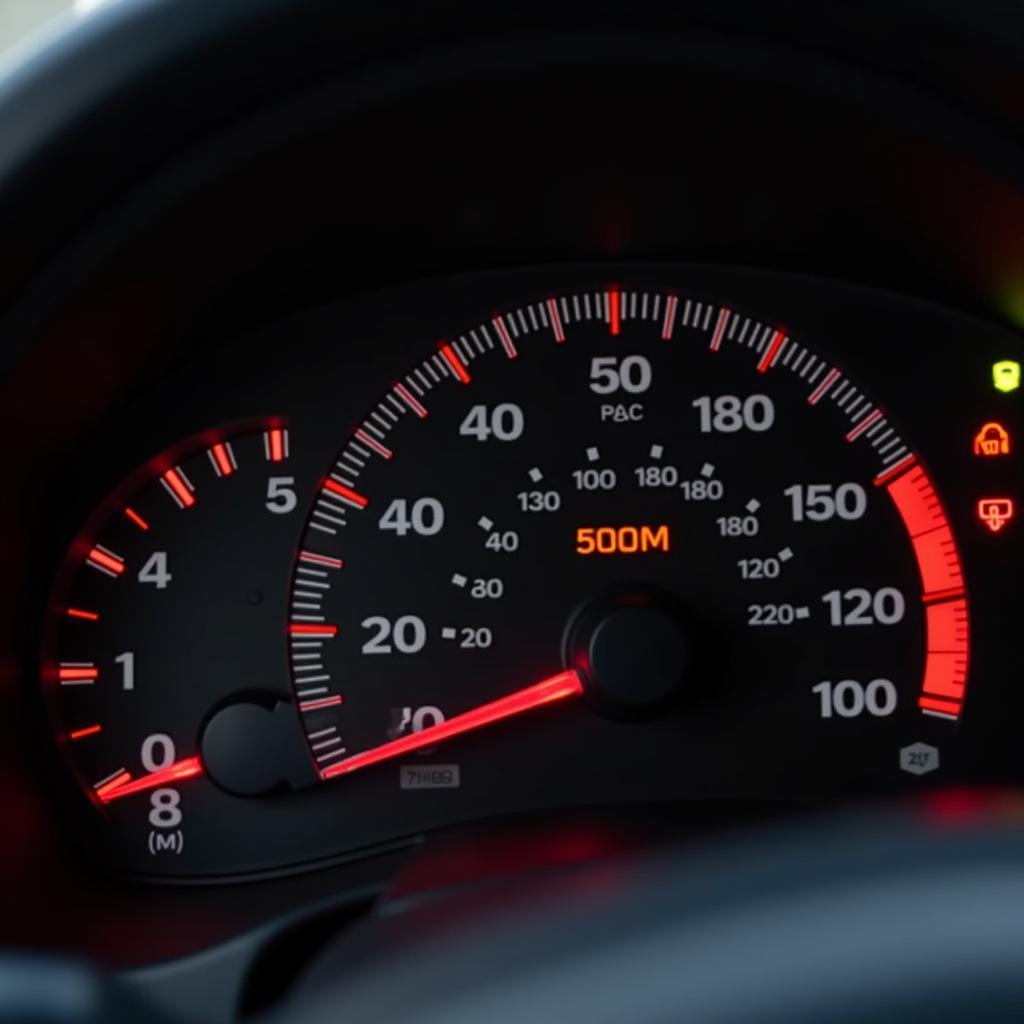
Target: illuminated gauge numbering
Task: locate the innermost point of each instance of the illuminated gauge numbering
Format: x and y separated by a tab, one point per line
671	509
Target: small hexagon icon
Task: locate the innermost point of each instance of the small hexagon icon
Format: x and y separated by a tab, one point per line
919	758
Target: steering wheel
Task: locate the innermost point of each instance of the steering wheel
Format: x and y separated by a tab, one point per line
857	919
851	919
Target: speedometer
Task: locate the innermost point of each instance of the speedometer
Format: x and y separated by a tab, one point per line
623	504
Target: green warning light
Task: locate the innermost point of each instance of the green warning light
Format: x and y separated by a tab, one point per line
1006	375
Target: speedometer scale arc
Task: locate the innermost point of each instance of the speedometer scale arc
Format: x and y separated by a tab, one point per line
663	498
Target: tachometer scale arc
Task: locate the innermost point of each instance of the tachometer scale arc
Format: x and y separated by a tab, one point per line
123	548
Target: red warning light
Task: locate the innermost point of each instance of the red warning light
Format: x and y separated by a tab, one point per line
992	439
995	513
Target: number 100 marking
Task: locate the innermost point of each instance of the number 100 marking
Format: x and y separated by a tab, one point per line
849	698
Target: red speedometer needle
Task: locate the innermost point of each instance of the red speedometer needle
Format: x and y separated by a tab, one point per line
122	785
565	684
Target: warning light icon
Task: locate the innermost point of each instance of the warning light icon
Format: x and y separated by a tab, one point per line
1006	375
992	439
995	513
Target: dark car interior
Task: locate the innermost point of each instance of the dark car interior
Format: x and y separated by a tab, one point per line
512	512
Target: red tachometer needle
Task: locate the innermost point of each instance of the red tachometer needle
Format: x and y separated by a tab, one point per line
122	785
566	684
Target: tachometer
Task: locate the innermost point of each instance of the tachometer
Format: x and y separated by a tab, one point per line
636	506
165	624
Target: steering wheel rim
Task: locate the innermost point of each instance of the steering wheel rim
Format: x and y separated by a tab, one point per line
846	921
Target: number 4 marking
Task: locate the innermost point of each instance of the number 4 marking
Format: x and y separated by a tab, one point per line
155	571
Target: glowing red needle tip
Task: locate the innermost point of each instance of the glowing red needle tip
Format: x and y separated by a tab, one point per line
115	789
565	684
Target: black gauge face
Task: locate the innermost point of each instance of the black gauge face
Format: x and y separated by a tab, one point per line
168	608
614	544
635	507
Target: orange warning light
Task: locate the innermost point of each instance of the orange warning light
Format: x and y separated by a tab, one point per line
992	439
995	513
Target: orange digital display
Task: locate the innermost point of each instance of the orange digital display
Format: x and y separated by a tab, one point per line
621	540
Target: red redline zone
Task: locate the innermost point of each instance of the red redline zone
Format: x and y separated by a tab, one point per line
943	593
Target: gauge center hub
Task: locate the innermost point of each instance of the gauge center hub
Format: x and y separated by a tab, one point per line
633	656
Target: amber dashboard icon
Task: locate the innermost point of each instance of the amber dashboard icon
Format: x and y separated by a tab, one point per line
993	439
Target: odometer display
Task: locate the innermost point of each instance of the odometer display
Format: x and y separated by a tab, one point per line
701	519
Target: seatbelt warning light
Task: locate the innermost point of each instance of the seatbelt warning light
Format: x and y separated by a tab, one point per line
995	513
1006	375
992	439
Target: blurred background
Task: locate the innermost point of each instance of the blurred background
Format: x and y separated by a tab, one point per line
20	19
